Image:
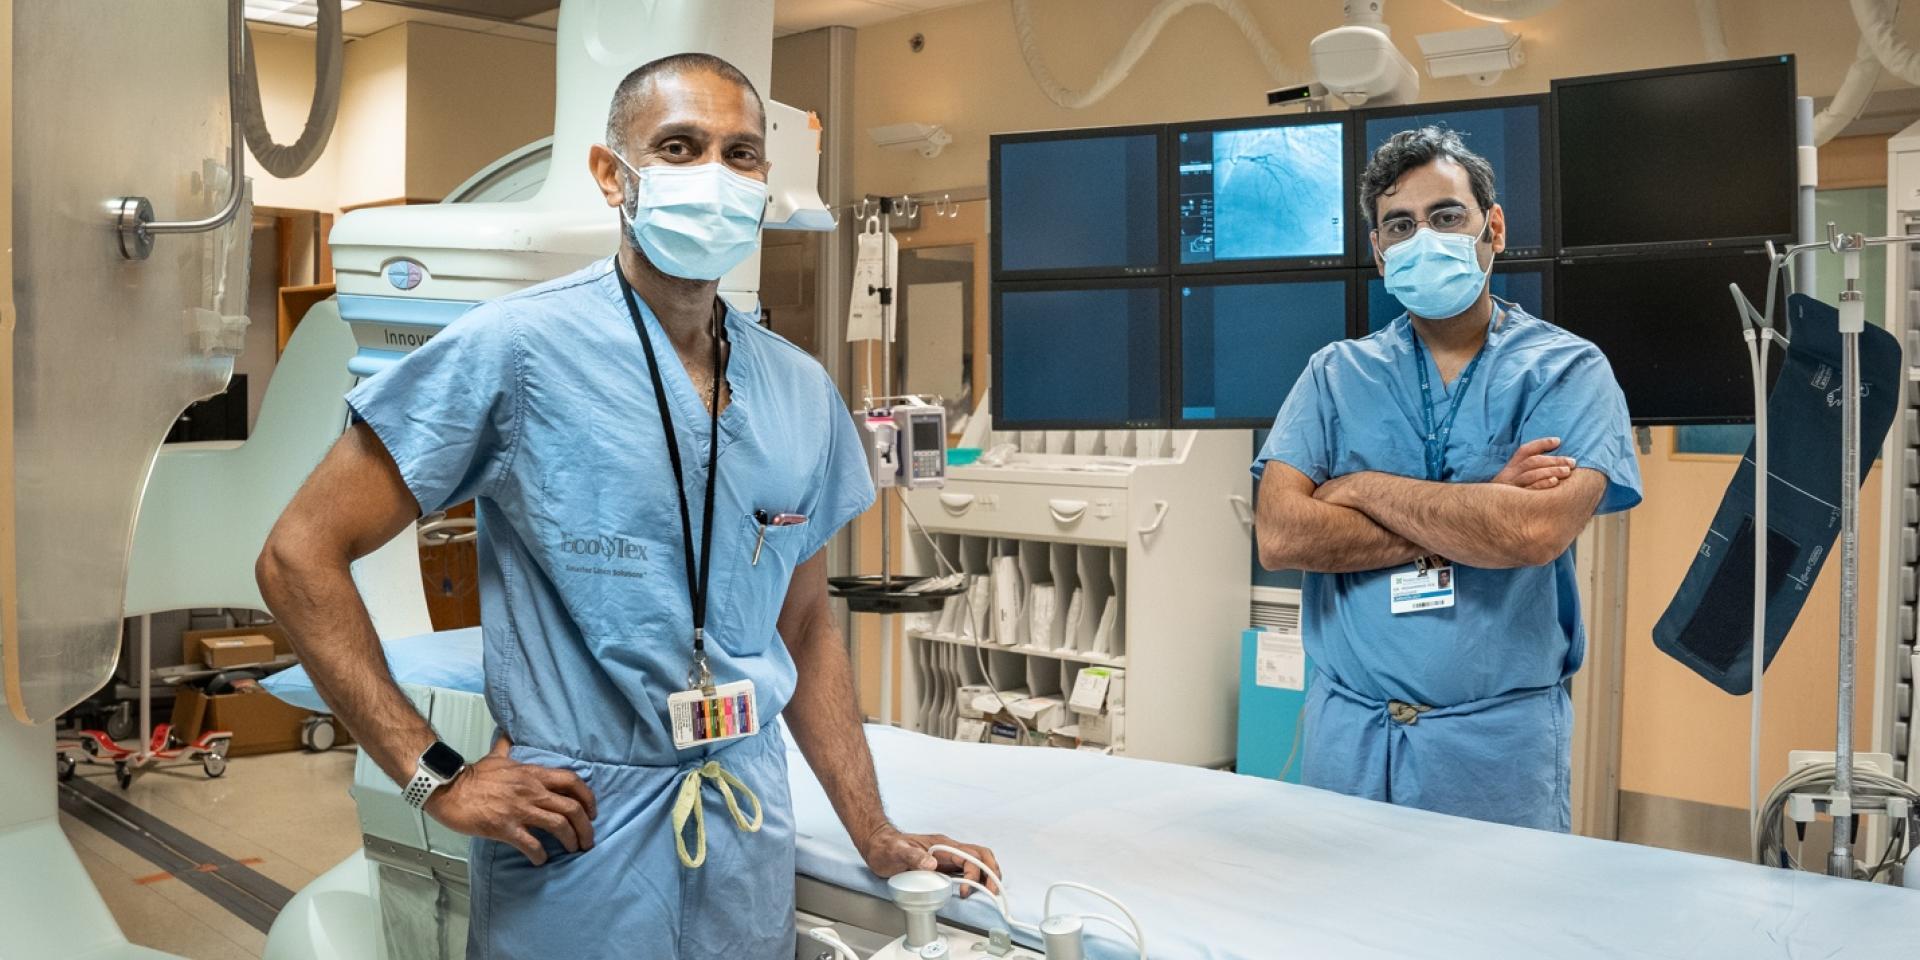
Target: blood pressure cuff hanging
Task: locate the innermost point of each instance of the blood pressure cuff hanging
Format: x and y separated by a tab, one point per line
1709	624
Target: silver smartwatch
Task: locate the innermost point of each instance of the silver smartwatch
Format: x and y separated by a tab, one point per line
435	769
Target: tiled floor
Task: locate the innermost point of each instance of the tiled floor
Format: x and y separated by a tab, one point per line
286	815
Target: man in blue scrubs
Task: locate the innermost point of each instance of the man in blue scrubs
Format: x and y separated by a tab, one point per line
1431	479
655	477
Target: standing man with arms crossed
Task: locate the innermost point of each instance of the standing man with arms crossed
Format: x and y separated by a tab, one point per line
1431	479
656	477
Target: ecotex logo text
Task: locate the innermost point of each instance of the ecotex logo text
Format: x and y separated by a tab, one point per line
605	549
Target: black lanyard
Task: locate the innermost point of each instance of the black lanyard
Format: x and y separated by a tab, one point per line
696	583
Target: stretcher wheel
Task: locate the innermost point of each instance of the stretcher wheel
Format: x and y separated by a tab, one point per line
120	721
123	774
65	766
90	745
317	734
214	764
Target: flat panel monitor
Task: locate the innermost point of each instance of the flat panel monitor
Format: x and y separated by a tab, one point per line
1670	159
1262	194
1512	134
1527	284
1079	203
1080	354
1240	342
1669	327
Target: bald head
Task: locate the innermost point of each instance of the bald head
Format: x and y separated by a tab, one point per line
645	85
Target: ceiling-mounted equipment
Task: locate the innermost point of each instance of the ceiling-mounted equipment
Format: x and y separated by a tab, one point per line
1358	62
1481	54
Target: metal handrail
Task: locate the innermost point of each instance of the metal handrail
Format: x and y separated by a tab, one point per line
133	216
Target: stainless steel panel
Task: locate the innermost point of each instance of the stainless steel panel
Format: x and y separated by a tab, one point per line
1910	546
1906	624
1909	504
1911	418
1907	585
1903	702
110	99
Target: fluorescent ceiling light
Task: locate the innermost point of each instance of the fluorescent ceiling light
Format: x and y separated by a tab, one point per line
291	13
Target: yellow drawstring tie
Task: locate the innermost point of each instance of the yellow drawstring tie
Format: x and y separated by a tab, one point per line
688	805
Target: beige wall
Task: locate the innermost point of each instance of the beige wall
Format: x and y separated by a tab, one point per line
372	128
970	77
471	98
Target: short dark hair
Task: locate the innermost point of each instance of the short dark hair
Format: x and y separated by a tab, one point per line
627	96
1413	149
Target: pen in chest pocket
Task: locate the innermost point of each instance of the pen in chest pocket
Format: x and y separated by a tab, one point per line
767	520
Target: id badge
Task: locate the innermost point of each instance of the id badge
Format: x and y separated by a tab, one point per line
1423	589
699	718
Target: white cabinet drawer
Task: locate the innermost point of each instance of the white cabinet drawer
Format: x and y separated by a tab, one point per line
1030	511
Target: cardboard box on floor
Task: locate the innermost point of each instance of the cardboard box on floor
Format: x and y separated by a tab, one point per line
260	722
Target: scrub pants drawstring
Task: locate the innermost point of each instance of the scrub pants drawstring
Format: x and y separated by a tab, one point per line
687	804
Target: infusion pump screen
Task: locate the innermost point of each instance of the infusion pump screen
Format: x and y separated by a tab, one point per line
1263	194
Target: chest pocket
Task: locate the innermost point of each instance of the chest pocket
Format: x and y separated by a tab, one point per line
1480	466
757	586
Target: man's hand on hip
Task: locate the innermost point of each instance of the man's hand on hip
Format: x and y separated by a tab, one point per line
888	852
504	800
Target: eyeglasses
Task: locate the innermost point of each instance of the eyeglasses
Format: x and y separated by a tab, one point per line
1394	230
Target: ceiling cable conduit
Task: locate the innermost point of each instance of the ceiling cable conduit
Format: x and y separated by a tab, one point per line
1136	47
329	59
1876	20
1851	99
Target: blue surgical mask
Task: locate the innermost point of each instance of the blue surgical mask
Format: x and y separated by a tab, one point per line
1435	275
694	221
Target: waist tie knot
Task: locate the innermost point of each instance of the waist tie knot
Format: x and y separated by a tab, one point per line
687	804
1405	713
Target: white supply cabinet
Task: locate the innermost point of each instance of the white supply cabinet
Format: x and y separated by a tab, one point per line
1164	538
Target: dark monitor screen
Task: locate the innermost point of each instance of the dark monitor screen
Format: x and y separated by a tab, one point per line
1512	136
1085	203
1243	341
1263	195
1526	284
1677	156
1669	327
1079	355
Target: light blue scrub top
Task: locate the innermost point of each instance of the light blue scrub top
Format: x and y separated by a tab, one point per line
539	407
1357	408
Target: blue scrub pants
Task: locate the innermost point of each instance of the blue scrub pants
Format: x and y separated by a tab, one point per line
629	896
1505	759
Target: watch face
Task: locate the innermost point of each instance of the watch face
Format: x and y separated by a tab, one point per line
443	760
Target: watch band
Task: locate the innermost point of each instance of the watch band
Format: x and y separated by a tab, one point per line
422	786
426	779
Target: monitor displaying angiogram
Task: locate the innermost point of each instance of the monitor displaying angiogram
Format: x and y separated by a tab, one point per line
1079	356
1263	194
1078	205
1524	286
1243	344
1510	137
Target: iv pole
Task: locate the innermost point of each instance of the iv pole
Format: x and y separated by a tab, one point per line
1839	803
